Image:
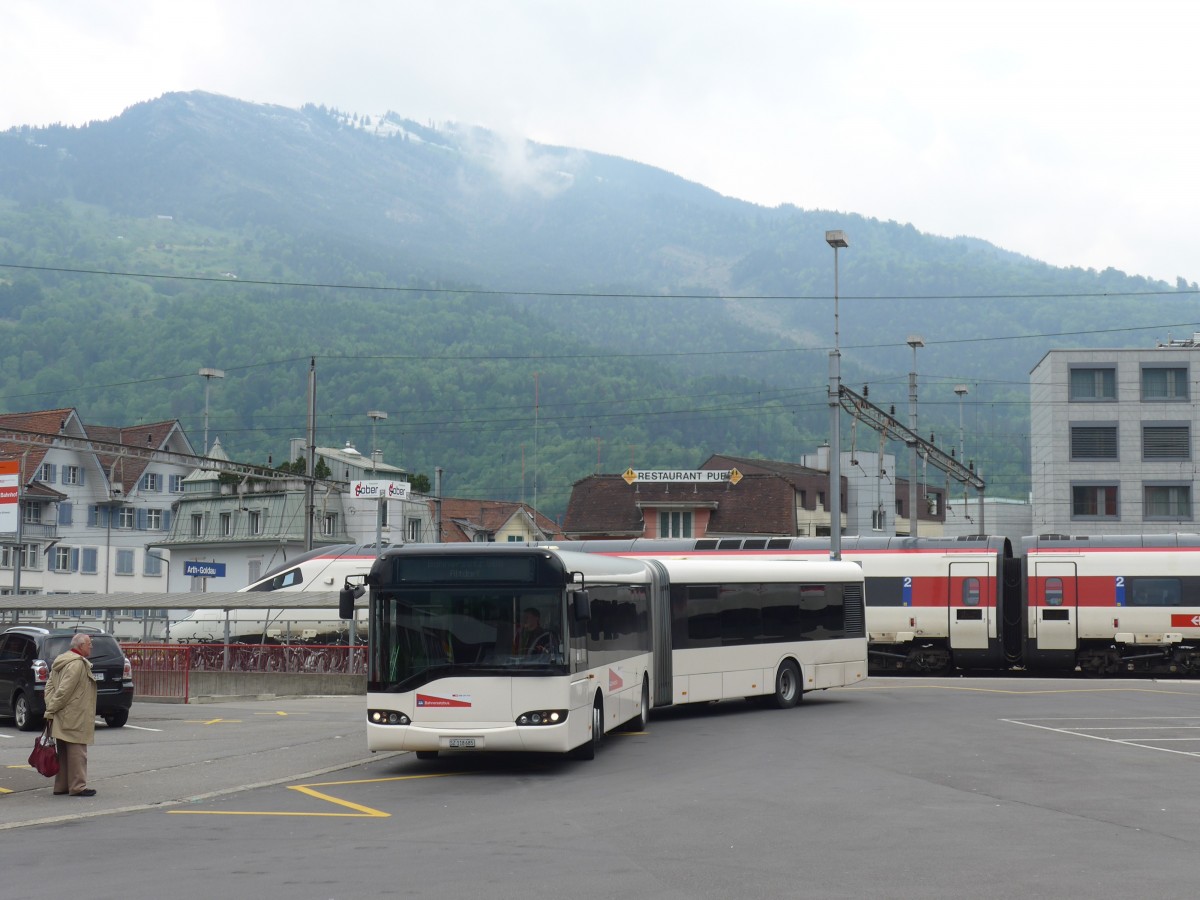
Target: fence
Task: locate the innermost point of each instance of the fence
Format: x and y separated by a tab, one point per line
164	671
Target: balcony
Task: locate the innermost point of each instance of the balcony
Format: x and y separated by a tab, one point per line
30	534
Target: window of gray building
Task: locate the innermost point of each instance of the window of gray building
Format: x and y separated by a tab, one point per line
1168	501
1093	442
1164	383
1090	383
1093	501
1166	442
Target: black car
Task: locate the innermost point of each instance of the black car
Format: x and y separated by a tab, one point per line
26	655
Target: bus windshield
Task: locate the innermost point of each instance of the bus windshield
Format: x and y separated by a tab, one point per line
421	634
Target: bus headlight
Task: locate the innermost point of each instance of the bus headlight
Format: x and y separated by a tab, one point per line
387	717
543	717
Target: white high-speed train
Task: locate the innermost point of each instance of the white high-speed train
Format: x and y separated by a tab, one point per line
323	569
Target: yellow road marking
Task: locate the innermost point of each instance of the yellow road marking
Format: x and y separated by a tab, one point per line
6	790
212	721
361	812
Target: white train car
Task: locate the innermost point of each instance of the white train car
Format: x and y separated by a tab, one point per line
1101	605
325	569
1112	605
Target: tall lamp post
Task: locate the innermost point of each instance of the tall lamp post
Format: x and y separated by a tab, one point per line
961	391
208	375
914	341
836	240
375	415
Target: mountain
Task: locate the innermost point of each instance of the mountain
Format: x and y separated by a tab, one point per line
514	307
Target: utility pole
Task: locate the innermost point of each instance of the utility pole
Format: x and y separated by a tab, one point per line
914	341
836	240
310	505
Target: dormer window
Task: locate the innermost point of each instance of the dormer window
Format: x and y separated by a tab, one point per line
677	524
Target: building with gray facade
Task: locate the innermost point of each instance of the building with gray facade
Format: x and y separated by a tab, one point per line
1111	440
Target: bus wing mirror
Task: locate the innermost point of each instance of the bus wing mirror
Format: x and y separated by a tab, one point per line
581	607
346	598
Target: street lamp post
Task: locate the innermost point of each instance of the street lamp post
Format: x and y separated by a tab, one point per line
375	415
914	341
208	375
836	240
961	390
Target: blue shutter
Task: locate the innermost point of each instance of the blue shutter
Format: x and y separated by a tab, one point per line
74	559
81	476
141	520
51	473
166	520
89	560
64	514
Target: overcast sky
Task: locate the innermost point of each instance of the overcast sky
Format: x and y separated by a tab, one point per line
1063	130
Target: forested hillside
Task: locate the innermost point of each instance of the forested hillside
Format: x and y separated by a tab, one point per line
514	308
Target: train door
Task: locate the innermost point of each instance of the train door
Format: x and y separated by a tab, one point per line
1053	606
971	605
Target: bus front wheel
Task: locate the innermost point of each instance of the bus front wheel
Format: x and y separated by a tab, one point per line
787	685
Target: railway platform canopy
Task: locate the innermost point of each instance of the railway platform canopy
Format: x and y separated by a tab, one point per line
229	601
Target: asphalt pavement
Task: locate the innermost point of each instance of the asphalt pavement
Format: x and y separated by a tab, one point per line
993	788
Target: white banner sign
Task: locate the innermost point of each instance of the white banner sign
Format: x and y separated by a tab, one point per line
380	490
10	476
692	476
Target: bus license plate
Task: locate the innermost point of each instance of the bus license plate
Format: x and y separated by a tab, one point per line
461	743
99	676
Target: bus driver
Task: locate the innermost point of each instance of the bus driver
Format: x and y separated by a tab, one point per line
532	639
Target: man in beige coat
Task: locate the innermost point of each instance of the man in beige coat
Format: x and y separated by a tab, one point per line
71	707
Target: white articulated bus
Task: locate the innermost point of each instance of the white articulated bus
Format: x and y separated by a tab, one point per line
488	647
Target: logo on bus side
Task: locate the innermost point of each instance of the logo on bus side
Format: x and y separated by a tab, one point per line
615	682
456	701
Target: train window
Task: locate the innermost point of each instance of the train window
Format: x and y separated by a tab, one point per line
885	591
970	592
1054	592
1153	591
290	578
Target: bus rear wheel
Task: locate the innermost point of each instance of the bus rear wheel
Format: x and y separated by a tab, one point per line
787	685
641	719
587	750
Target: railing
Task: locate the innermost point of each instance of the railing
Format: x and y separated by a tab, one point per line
285	659
160	670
